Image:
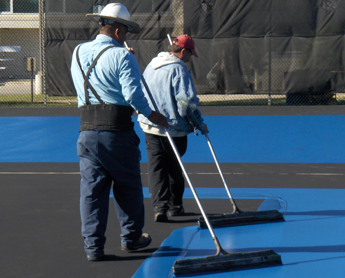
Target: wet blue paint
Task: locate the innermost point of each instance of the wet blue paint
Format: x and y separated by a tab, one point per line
310	241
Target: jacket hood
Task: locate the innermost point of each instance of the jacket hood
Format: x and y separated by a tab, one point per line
165	58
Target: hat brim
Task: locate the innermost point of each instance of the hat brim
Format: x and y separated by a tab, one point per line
194	53
132	26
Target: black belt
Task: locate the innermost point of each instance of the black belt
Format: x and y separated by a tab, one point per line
106	117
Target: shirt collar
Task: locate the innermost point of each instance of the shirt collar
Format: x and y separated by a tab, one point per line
105	38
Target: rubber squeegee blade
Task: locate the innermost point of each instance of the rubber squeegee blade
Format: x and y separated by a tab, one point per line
229	262
242	218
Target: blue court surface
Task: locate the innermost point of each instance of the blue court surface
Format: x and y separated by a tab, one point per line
249	139
311	241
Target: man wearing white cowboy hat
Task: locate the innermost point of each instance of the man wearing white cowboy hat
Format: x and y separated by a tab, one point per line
106	77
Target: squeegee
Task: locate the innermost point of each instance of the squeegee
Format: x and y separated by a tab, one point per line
237	217
222	260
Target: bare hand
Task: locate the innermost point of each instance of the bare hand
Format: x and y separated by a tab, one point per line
131	49
158	119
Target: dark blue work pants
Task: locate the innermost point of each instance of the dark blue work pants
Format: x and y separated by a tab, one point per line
107	158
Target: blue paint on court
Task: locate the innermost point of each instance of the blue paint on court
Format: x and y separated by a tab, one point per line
310	241
39	139
247	139
272	139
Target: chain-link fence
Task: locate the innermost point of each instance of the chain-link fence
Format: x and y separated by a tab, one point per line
251	52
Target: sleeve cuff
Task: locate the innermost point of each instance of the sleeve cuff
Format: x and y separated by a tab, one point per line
147	112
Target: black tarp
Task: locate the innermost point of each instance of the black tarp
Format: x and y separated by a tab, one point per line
244	46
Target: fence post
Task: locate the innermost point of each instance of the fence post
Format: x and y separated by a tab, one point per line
42	56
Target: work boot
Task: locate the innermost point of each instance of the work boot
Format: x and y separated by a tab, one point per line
176	211
94	257
141	243
161	217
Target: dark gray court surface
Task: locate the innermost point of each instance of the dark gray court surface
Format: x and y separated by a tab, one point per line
39	216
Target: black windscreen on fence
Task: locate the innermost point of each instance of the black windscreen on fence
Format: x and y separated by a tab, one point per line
244	46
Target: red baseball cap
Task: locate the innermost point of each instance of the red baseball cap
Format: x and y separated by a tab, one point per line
185	41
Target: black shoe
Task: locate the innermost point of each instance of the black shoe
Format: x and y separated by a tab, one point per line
176	211
141	243
161	217
95	258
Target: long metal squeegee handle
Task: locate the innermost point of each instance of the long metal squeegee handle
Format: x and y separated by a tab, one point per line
234	207
169	38
215	239
150	95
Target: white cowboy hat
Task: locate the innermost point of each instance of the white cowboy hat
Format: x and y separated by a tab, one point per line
118	13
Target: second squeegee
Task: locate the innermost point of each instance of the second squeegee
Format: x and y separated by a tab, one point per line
237	217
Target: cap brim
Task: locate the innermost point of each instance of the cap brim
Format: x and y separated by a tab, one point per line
194	53
132	26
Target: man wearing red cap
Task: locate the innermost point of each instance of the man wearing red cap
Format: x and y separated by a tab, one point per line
173	90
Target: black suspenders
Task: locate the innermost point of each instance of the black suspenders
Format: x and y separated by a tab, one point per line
86	76
102	116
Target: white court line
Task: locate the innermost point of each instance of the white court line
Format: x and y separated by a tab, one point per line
223	173
39	173
320	174
78	173
298	174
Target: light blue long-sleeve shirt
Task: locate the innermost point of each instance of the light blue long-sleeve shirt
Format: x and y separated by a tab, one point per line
115	77
172	88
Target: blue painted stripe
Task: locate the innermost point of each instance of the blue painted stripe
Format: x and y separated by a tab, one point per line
272	139
39	139
310	241
237	139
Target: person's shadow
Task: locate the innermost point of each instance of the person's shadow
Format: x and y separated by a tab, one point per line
142	255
